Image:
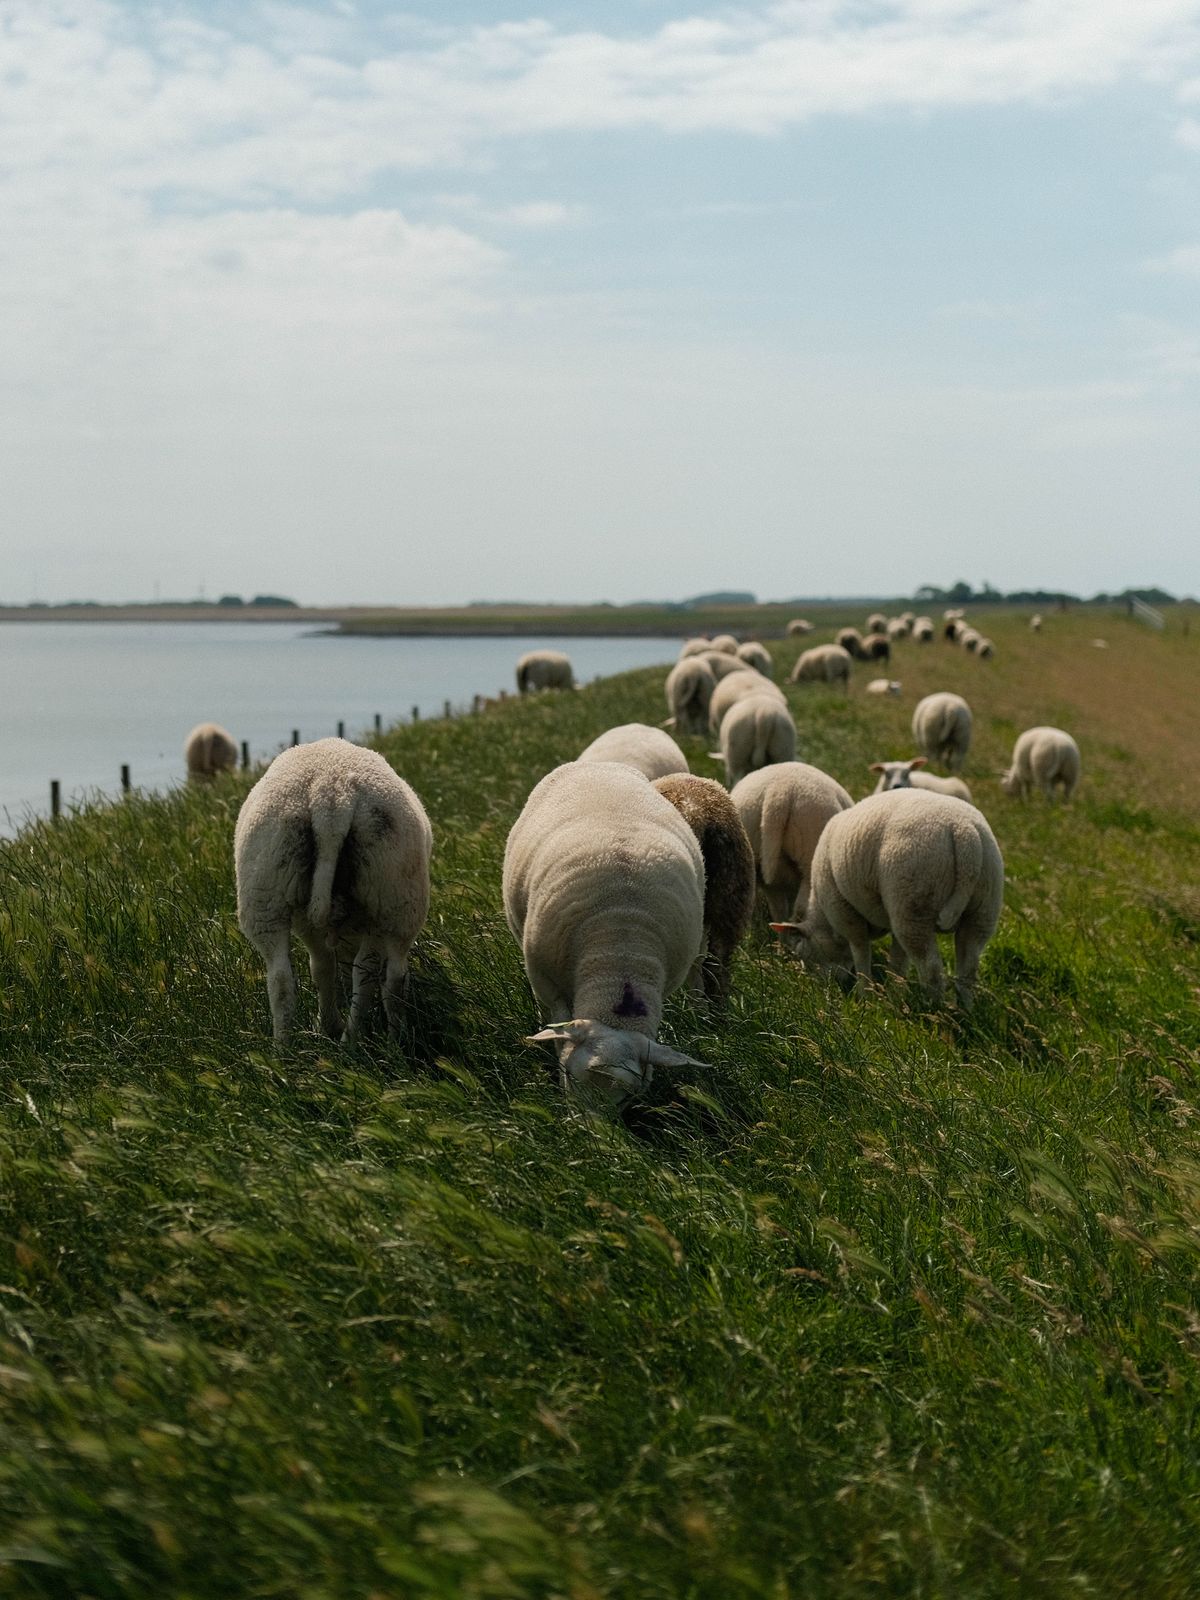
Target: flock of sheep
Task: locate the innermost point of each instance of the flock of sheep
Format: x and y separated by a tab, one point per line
626	876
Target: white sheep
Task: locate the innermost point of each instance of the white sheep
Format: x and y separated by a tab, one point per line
604	892
736	686
1035	622
544	669
783	809
941	726
725	643
721	664
824	663
922	630
985	649
635	744
1047	758
908	775
799	626
896	628
209	750
332	845
877	622
883	686
689	689
909	864
756	731
694	647
754	655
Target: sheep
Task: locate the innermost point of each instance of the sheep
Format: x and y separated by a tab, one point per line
544	669
908	775
922	630
985	649
897	628
651	751
694	647
876	622
969	639
908	864
875	647
754	655
824	663
755	732
725	643
799	625
851	642
721	665
1047	757
332	845
783	809
1035	622
603	889
941	726
883	686
690	684
208	751
728	872
735	687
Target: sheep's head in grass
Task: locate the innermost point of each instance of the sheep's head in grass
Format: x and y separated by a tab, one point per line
819	948
607	1066
896	774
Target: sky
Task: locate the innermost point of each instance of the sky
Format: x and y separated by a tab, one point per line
362	304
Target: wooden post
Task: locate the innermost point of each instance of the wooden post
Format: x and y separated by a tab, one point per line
55	798
447	711
416	713
295	735
378	723
341	730
477	704
504	694
125	784
245	755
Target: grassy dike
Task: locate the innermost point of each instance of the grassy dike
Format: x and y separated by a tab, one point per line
888	1303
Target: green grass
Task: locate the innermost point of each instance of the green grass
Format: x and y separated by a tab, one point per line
888	1303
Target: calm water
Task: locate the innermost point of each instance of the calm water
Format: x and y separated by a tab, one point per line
80	699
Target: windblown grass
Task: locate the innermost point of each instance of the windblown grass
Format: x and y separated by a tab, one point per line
890	1302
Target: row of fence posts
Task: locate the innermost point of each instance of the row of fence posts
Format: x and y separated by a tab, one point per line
477	704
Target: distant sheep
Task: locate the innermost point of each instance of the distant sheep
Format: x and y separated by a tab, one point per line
824	663
544	669
970	639
725	643
875	647
851	642
883	686
909	864
689	689
783	810
941	727
330	844
1047	758
754	655
1035	622
721	664
604	891
877	622
922	630
209	750
897	628
635	744
985	649
736	687
799	626
728	872
908	775
694	647
755	732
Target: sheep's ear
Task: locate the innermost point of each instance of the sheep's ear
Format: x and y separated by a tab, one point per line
669	723
919	761
661	1055
715	755
558	1030
876	766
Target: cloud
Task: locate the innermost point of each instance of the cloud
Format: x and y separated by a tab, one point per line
1185	260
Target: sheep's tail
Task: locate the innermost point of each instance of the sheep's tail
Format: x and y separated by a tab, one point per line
967	850
776	814
331	827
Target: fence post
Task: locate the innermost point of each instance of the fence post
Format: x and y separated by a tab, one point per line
378	723
125	784
448	711
245	755
341	730
416	714
477	704
295	735
55	798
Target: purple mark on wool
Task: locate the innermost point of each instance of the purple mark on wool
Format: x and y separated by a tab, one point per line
630	1004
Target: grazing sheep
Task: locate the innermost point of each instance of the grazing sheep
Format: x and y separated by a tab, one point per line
941	727
985	649
897	628
783	809
883	686
690	684
753	654
876	647
908	775
851	642
824	663
725	643
332	845
721	664
635	744
877	622
909	864
694	647
208	750
604	891
1047	757
735	687
799	625
922	630
544	669
728	871
970	639
756	731
1035	622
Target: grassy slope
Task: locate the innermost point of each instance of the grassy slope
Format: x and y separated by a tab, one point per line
886	1305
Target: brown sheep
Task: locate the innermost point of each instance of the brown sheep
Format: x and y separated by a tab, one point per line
729	882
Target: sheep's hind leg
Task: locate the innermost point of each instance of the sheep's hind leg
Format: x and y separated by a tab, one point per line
274	947
968	947
395	987
368	970
322	963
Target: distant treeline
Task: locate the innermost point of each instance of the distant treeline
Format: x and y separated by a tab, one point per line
226	600
962	594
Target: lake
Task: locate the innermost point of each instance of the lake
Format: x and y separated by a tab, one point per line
82	698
